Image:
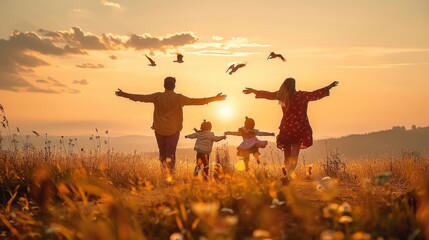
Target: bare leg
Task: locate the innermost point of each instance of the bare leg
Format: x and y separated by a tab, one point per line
256	155
293	159
287	153
246	162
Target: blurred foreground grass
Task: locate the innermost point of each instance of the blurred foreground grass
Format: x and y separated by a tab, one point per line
112	195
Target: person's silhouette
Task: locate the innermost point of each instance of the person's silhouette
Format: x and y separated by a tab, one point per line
168	117
295	130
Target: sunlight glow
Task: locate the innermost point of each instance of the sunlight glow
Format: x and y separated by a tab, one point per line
225	111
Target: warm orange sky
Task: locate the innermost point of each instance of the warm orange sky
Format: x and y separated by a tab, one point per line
61	66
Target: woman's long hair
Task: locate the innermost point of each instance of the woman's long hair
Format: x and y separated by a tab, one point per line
286	92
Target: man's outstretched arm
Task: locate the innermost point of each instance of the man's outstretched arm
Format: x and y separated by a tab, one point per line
136	97
202	101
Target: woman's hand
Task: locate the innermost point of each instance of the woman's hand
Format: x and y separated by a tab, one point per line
249	90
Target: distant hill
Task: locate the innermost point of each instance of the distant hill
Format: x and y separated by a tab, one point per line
390	142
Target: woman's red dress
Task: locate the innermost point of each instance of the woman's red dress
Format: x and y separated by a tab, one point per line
295	127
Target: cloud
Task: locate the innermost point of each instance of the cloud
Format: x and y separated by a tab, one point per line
148	42
90	65
110	4
51	82
217	38
226	47
23	52
20	54
81	82
223	53
73	91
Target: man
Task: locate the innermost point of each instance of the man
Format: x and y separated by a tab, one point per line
168	117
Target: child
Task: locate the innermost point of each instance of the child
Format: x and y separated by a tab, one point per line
203	146
250	144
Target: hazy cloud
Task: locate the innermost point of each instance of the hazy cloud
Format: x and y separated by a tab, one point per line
148	42
90	65
17	58
81	82
110	4
73	91
226	47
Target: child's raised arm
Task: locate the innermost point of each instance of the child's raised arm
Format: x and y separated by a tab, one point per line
192	135
232	133
265	134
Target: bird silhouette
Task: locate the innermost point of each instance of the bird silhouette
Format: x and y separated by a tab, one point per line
152	62
234	67
275	55
179	58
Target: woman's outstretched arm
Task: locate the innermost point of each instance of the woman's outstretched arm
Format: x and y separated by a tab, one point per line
261	94
136	97
320	93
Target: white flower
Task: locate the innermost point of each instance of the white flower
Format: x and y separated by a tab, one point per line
176	236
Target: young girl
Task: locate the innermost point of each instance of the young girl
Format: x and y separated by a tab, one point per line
203	146
250	144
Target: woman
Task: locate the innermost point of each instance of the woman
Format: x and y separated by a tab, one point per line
295	130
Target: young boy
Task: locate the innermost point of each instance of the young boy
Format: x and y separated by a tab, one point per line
203	146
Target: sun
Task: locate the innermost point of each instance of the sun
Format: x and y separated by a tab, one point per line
225	111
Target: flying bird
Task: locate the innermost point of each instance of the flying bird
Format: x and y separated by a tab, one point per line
234	67
179	58
152	62
275	55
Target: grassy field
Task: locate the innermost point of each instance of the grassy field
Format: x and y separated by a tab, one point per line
111	195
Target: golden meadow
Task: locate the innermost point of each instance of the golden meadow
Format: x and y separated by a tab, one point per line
62	191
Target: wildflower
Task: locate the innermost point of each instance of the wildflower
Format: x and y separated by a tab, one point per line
227	210
361	236
327	235
176	236
261	234
345	208
345	219
331	210
205	210
275	203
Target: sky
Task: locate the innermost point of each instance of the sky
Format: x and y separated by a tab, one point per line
61	61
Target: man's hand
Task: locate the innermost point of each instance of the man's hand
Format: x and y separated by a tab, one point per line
220	97
333	84
119	93
249	91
